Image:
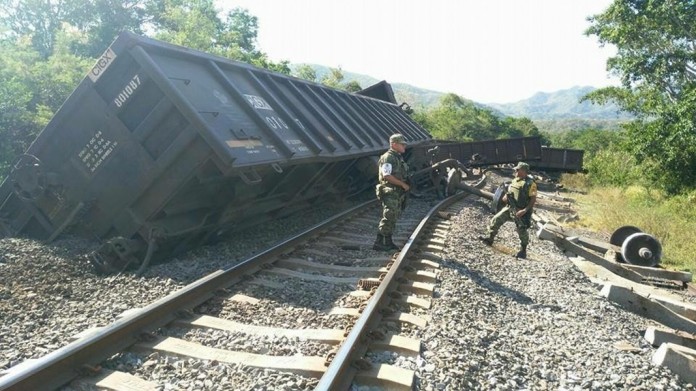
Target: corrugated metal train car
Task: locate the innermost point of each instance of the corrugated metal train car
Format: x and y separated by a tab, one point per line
165	147
490	152
162	148
559	159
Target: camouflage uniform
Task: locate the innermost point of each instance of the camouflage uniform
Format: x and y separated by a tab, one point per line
391	196
519	193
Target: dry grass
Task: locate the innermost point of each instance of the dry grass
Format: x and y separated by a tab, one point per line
575	181
672	220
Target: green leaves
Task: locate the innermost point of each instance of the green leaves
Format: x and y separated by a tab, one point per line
656	60
33	89
458	119
305	72
197	25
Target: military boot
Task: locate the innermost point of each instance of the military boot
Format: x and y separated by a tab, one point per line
391	244
522	254
381	243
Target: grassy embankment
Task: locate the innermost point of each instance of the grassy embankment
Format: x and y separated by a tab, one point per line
672	220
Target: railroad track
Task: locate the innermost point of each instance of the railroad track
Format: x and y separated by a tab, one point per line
359	300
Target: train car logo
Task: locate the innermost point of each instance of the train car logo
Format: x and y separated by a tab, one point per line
102	64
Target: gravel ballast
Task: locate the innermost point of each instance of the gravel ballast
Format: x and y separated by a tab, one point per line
49	292
507	324
496	322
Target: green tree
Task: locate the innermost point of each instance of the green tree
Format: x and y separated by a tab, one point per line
520	127
656	61
590	140
39	20
458	119
99	20
305	72
102	20
334	78
614	167
33	89
196	24
352	86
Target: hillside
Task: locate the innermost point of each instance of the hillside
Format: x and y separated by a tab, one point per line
563	104
414	96
559	110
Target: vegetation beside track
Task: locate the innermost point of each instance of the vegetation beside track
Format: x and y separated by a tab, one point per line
669	218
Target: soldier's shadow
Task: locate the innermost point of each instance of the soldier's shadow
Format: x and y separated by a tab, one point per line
483	281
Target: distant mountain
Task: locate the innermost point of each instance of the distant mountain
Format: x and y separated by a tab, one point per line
549	110
416	97
561	105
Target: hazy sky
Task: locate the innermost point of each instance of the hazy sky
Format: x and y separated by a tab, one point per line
491	51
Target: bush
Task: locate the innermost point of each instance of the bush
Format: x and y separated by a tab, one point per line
577	181
613	167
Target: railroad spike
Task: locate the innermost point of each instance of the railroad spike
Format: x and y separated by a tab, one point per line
347	330
329	357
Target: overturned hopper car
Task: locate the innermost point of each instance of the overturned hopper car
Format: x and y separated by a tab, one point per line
161	148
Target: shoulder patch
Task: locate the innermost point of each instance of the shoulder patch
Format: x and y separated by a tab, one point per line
533	189
386	169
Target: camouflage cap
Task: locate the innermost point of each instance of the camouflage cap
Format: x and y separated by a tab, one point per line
397	138
522	166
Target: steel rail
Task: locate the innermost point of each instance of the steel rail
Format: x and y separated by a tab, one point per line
61	366
340	373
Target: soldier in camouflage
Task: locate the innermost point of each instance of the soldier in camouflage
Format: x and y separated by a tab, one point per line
391	191
520	200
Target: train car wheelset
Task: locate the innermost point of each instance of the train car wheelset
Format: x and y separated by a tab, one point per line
637	247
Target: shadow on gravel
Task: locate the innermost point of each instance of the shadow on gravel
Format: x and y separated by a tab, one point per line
484	282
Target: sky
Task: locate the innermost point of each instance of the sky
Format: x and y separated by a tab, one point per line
490	51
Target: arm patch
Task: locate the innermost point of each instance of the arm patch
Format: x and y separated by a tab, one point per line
386	169
533	189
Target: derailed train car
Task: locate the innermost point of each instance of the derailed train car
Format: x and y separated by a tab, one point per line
560	159
489	152
161	148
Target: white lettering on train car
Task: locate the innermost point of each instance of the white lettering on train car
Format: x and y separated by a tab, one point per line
276	123
96	150
257	102
102	64
127	91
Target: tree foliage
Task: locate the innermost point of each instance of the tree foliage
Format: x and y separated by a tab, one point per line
100	20
196	24
305	72
590	140
334	78
458	119
33	88
352	86
656	61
